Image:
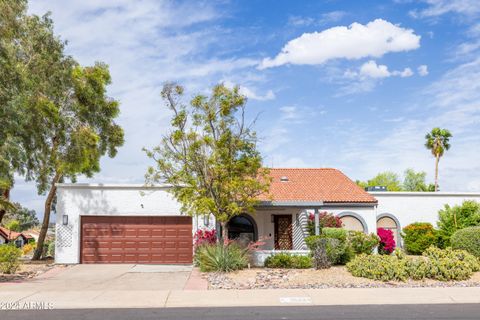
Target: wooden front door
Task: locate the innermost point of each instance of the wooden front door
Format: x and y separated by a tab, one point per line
283	232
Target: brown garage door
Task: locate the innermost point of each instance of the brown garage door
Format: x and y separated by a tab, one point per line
149	240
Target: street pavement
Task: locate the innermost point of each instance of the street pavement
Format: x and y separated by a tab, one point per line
364	312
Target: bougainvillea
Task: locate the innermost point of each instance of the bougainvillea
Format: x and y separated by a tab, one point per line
327	220
387	242
204	236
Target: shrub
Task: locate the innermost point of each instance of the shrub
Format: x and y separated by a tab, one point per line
326	220
362	242
418	236
26	249
467	239
451	219
220	257
387	242
9	255
326	251
288	261
339	252
378	267
438	264
204	236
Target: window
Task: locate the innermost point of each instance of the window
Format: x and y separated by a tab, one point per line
242	228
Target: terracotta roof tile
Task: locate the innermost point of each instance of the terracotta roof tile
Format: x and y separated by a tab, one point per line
315	184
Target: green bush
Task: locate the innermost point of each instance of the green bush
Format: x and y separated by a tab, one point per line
9	255
221	258
438	264
467	239
362	242
378	267
339	252
451	219
288	261
335	233
418	236
326	251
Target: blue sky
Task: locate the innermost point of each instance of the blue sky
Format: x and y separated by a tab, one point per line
353	85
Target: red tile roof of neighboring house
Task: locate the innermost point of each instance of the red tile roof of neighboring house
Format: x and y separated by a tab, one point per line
12	235
314	185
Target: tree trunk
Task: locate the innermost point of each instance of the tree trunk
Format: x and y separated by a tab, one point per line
6	195
437	159
46	218
224	231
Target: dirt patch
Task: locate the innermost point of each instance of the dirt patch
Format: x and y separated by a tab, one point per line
335	277
29	270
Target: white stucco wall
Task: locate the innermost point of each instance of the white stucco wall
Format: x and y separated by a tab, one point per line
76	200
410	207
2	240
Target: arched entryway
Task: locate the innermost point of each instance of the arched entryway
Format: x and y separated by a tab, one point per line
242	228
390	222
353	221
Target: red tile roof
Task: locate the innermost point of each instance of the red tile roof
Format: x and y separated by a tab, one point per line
314	185
11	235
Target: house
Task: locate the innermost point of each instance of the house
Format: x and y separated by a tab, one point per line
9	236
99	223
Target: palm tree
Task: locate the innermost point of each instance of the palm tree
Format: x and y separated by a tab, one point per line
437	142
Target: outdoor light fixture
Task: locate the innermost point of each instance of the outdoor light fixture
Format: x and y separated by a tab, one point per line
206	220
65	219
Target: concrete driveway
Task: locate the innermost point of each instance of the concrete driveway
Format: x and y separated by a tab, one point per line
111	277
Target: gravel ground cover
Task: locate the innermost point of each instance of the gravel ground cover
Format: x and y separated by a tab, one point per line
335	277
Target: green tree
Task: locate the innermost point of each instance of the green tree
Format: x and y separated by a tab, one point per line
210	156
78	132
414	181
27	218
451	219
387	179
13	225
437	141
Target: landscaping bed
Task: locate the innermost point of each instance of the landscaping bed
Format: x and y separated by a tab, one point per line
334	277
28	270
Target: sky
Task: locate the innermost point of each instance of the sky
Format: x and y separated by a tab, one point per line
353	85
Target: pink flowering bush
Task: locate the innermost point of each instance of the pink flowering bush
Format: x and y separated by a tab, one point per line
204	236
387	242
327	220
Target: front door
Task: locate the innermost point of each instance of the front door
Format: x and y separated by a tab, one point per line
283	232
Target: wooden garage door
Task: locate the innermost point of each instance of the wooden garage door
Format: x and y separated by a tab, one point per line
148	240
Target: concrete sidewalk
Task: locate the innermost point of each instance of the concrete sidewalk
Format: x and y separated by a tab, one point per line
65	299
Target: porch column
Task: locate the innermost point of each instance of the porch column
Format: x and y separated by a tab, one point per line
317	222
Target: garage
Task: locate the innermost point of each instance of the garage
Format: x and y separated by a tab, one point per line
143	240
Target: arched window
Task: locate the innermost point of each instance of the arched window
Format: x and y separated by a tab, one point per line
353	221
242	228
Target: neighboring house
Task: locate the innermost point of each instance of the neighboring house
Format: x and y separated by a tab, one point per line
139	224
9	236
34	234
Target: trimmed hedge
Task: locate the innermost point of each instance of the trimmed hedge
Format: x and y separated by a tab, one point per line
467	239
288	261
418	236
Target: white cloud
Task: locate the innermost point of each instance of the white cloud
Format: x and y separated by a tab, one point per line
251	92
356	41
440	7
422	70
332	16
372	70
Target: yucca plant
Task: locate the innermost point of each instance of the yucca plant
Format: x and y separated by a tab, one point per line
221	257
